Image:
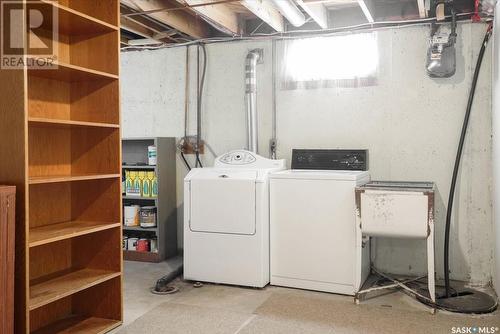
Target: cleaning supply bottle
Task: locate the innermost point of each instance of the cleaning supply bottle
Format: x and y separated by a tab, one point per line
146	185
154	186
129	187
141	175
136	184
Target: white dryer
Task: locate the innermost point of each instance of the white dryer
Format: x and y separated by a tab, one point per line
226	220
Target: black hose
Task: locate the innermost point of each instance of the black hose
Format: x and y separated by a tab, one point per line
198	160
457	163
185	161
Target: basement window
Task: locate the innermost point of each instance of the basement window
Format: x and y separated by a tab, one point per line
340	61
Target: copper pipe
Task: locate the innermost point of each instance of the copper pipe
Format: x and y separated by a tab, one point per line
182	7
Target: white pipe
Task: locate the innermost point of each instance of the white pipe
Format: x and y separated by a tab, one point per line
289	10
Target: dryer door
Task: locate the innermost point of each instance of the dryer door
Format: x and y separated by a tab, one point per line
223	201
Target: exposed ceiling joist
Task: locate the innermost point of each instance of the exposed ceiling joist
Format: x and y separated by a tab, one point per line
317	11
143	41
366	7
180	20
219	14
134	27
156	29
123	41
264	10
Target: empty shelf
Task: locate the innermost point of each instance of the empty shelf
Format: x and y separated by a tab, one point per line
37	121
56	232
70	178
79	324
70	73
62	286
73	22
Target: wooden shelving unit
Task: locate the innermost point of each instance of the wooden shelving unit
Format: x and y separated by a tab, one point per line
135	158
60	129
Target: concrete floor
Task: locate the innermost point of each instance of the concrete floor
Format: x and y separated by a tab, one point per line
226	309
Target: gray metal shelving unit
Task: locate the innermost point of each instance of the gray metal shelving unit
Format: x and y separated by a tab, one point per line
135	151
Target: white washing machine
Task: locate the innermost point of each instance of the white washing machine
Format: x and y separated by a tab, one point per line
315	244
226	220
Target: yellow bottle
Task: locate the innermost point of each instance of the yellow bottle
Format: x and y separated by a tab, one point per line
136	184
128	183
141	175
154	186
146	185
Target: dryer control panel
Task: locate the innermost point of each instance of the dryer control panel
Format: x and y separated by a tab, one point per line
248	160
237	158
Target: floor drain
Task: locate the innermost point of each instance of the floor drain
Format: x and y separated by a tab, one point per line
166	290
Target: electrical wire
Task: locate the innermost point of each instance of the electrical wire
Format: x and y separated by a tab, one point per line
200	89
198	130
457	161
186	95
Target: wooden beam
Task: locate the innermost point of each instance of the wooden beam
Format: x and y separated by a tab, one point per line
123	41
180	20
220	15
158	31
129	25
366	10
264	10
143	41
317	11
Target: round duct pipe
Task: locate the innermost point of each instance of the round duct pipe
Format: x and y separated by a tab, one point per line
252	59
289	10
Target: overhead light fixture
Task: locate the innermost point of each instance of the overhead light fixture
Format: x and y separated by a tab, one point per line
289	10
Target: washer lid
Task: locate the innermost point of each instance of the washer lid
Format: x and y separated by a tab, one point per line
345	175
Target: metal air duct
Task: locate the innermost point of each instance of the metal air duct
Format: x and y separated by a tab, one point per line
252	59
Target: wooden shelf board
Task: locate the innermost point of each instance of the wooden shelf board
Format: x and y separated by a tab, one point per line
73	22
138	228
138	167
141	256
80	324
70	178
56	232
70	73
140	198
38	121
62	286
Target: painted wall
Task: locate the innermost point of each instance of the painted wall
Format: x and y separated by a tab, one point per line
409	122
496	145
